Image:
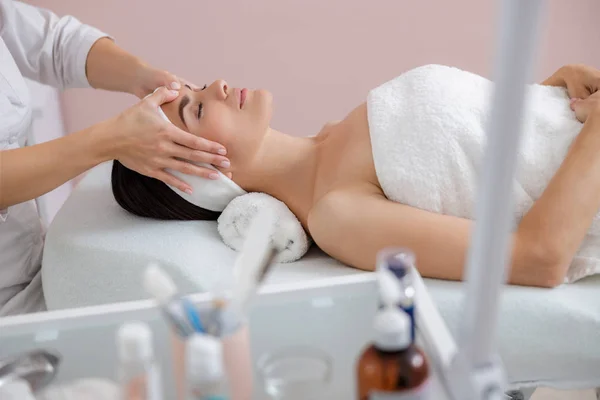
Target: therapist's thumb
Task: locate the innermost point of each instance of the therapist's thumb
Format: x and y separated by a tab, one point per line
162	95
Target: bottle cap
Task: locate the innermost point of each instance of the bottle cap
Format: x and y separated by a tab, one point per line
134	342
204	358
398	260
392	329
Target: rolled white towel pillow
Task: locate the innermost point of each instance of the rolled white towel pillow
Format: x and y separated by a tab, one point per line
234	221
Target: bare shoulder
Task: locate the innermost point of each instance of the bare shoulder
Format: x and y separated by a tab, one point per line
339	204
337	214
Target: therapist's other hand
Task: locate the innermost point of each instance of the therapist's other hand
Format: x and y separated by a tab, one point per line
580	80
585	108
148	144
149	78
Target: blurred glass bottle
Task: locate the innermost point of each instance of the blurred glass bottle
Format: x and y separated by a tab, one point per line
392	366
401	261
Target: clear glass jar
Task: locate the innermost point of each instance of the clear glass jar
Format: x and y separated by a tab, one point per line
296	373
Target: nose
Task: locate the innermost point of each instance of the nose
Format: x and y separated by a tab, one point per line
220	88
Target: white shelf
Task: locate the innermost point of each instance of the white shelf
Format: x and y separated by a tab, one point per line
333	314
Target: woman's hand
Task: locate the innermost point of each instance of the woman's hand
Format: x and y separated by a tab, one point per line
584	108
580	80
149	78
143	141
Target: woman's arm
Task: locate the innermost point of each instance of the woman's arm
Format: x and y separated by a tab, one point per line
29	172
353	227
109	67
64	53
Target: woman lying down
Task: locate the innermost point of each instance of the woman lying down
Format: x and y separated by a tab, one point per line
400	170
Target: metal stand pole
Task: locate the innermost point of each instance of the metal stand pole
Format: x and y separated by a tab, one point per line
490	244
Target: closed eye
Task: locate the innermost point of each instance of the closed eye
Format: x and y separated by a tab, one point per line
200	106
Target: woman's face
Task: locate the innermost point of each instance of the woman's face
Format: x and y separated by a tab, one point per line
236	118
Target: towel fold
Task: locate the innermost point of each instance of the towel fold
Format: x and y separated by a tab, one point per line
234	221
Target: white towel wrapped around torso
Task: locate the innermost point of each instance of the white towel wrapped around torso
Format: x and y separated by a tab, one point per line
428	131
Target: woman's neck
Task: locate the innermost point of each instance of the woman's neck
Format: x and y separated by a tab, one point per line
284	167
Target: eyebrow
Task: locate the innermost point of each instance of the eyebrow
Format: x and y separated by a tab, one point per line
184	102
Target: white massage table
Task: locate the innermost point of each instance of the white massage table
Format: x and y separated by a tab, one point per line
96	252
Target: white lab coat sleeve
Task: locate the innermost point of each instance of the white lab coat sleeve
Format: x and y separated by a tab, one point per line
49	49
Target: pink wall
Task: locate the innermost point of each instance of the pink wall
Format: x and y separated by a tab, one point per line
319	58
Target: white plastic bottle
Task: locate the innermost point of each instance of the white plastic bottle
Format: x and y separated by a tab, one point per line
139	375
16	389
205	373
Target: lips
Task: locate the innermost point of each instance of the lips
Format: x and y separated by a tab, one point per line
243	94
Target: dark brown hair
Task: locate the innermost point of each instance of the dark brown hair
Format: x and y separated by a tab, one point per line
150	198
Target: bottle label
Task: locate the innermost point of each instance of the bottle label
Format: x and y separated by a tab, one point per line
410	310
420	393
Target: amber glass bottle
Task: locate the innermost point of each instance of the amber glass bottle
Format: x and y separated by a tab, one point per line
392	367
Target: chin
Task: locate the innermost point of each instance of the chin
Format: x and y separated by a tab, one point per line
264	100
263	95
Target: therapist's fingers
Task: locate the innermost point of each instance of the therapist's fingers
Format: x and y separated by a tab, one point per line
190	84
172	81
195	142
167	79
186	153
171	180
161	96
191	169
149	78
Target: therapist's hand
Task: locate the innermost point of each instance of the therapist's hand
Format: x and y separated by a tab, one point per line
149	78
143	141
